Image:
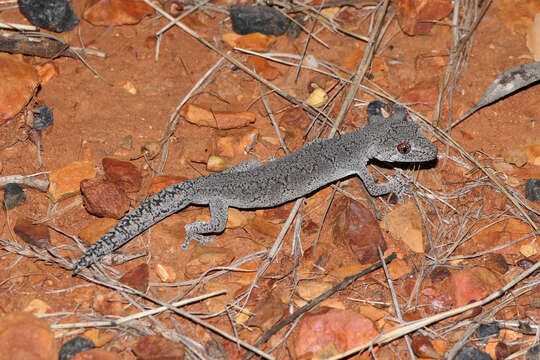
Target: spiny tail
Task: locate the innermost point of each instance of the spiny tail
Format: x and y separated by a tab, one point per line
152	210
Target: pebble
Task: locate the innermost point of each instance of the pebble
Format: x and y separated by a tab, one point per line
247	19
55	15
75	346
533	353
14	196
405	223
36	235
119	12
43	117
104	198
96	354
532	189
123	173
472	353
486	331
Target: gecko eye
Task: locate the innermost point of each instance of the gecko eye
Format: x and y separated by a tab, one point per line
404	148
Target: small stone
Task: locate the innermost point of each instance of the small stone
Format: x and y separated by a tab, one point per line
264	68
43	117
525	264
317	98
96	230
254	42
14	196
157	347
19	81
247	19
75	346
55	15
96	354
467	288
532	189
439	274
344	329
358	227
529	250
116	12
516	157
47	72
533	153
201	116
128	86
165	273
123	173
66	181
24	336
151	149
137	278
267	312
206	257
496	262
216	163
36	235
472	353
398	269
485	331
104	198
423	347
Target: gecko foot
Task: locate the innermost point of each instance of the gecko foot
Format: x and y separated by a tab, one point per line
398	185
192	234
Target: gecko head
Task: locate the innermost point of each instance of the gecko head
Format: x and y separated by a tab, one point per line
399	140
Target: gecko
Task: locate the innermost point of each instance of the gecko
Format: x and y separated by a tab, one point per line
252	185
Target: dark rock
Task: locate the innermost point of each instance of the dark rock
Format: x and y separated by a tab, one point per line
37	235
14	196
137	277
55	15
157	347
486	331
43	117
472	353
439	274
75	346
294	30
532	189
247	19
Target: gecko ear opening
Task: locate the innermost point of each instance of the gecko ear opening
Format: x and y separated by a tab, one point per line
377	112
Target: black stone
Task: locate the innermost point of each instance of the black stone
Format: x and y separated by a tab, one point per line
55	15
43	117
14	196
486	331
75	346
532	189
533	353
472	353
247	19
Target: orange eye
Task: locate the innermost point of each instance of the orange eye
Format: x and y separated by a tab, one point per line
404	148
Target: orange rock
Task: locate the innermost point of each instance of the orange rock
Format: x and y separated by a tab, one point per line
116	12
467	287
66	181
264	67
533	153
96	230
37	307
104	198
233	143
220	120
267	312
165	273
515	157
416	16
23	336
342	329
157	347
206	257
423	347
123	173
109	304
19	81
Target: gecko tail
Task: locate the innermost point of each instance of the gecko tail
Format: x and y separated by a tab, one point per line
149	212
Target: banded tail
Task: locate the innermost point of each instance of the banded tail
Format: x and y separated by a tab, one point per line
152	210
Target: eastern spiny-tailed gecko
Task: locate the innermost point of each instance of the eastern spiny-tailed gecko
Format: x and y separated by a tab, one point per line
252	185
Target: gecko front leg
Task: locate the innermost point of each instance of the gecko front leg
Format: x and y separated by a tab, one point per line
219	213
395	185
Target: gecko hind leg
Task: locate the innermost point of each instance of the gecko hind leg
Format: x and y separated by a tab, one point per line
219	213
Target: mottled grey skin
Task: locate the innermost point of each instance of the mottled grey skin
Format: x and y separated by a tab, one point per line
251	185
